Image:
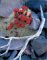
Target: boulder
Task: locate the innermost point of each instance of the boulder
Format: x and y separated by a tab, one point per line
7	6
35	4
40	45
35	21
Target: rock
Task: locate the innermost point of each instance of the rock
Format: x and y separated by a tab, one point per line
44	56
39	58
45	15
0	1
15	44
25	57
45	33
35	4
35	22
7	6
28	50
1	58
40	45
3	42
33	56
7	55
12	55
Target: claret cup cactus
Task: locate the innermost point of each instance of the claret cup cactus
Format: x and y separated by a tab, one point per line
19	22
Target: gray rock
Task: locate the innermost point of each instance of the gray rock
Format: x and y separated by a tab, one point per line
28	50
1	58
12	55
15	44
35	22
33	54
25	57
40	45
35	4
40	59
6	55
44	56
45	15
0	1
7	6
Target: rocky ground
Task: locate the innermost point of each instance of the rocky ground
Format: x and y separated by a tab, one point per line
37	49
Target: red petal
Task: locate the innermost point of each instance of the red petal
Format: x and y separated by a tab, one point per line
28	20
22	25
23	18
16	10
16	21
18	25
24	7
10	26
19	16
21	11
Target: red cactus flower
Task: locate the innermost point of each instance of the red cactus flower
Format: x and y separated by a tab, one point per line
21	11
19	18
10	26
28	20
16	21
24	7
18	25
16	10
21	24
23	18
